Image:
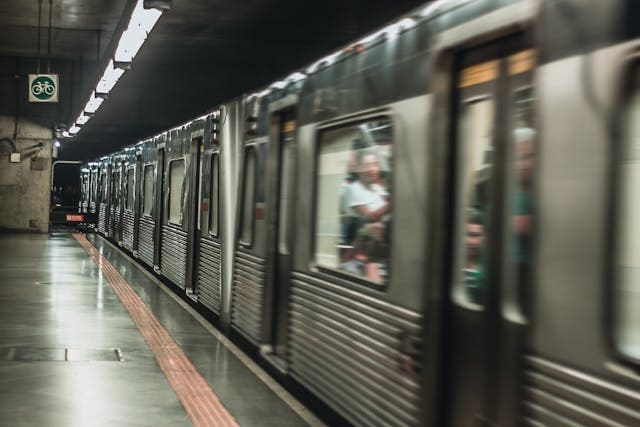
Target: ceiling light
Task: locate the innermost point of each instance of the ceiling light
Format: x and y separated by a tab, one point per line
93	104
74	129
82	119
109	78
144	18
140	25
130	43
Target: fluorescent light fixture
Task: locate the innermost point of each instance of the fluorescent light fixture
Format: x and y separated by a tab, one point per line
130	43
93	104
140	25
82	119
109	78
144	18
131	40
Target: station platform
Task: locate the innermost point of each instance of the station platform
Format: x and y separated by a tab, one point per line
90	338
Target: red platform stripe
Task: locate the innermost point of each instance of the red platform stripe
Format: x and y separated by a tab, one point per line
199	401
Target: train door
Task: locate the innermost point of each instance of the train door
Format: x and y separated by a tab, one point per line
137	202
492	223
282	139
193	230
120	207
158	210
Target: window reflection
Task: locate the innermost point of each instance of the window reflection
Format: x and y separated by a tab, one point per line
476	165
627	261
176	179
354	200
147	197
130	182
249	197
523	158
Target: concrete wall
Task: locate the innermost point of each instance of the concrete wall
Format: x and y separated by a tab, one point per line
25	186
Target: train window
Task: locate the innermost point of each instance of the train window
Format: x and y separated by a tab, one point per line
94	188
353	200
215	195
115	189
103	188
627	261
147	192
475	163
248	202
285	196
520	226
176	179
130	179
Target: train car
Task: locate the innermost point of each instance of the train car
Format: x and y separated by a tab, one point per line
116	202
249	268
103	194
217	175
92	210
85	192
87	203
145	208
179	158
130	179
434	225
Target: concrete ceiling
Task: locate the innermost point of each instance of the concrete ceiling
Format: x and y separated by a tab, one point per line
201	52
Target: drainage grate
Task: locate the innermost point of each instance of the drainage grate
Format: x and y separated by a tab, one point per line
35	354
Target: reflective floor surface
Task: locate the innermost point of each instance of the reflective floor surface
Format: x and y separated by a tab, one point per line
70	355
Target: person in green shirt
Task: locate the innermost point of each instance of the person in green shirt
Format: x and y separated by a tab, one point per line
474	269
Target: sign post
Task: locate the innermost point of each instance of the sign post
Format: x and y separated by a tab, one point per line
43	88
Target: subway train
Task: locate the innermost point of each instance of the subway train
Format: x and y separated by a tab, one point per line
433	225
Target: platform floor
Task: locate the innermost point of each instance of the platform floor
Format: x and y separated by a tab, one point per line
71	354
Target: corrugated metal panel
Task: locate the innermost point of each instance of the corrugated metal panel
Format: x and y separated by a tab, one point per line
209	275
247	294
102	216
345	347
117	224
127	230
145	240
173	261
558	395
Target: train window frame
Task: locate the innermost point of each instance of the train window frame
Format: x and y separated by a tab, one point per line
241	242
144	192
181	205
459	292
104	187
129	201
215	156
517	307
115	190
629	86
337	273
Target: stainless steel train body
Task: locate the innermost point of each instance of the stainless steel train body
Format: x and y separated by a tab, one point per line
436	225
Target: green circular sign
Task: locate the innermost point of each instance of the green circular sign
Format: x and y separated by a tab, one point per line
43	87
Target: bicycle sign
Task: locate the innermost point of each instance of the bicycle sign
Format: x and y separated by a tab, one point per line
43	88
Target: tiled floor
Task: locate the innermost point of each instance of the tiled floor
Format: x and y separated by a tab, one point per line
53	297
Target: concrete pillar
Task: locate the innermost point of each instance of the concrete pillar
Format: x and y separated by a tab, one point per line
25	183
